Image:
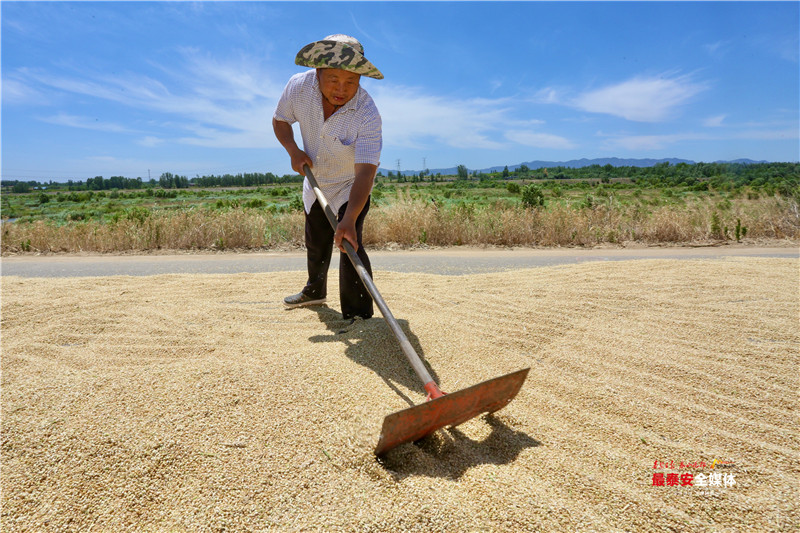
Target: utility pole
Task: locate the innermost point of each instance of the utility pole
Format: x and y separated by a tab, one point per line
398	168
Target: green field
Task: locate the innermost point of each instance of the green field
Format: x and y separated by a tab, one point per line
589	206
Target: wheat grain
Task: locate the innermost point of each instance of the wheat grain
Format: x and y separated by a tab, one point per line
197	403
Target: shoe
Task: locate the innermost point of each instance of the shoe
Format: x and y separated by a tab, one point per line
301	300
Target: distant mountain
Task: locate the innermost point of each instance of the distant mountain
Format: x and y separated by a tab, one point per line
579	163
743	161
574	163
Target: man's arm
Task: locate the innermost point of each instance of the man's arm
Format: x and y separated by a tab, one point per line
362	186
285	135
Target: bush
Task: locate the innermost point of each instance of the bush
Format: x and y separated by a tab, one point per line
297	203
254	203
224	204
163	193
532	196
280	191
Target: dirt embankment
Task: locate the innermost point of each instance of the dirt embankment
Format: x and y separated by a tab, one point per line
197	403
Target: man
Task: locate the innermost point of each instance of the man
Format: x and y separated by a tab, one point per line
342	140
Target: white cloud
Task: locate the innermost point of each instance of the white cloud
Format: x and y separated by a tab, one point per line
642	142
218	138
206	101
657	142
103	158
414	119
540	140
716	49
768	134
150	141
641	99
227	104
411	118
16	91
63	119
548	95
238	79
714	122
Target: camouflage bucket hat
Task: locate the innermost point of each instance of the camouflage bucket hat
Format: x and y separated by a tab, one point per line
337	51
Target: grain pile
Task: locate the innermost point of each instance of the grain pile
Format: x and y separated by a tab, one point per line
196	403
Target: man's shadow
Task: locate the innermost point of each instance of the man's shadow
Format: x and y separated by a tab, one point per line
371	343
447	453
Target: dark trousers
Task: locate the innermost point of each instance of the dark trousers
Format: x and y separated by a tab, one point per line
353	295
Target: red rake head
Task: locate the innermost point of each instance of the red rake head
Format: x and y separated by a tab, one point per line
448	410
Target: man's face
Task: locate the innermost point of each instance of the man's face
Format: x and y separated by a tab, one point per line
338	86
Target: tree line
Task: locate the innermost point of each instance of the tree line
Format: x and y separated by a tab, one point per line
167	180
783	177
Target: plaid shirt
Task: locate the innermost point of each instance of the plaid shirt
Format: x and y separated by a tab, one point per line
351	135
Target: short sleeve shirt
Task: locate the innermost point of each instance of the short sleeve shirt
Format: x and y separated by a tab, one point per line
353	134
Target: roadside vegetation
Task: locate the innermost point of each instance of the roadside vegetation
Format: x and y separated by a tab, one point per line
664	204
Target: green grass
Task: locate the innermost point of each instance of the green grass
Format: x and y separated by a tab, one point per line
107	206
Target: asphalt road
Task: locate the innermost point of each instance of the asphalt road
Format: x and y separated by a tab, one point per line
448	261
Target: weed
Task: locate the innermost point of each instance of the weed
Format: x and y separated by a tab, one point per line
137	215
740	230
716	227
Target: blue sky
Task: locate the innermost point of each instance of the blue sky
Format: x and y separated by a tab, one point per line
113	88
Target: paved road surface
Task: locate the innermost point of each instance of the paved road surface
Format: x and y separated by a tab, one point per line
450	261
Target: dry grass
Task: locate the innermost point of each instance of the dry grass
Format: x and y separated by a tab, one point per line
407	221
168	230
196	403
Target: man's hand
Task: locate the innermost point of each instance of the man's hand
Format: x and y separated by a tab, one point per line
299	160
285	136
346	229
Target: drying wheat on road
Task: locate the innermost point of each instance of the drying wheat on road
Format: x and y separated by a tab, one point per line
662	395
